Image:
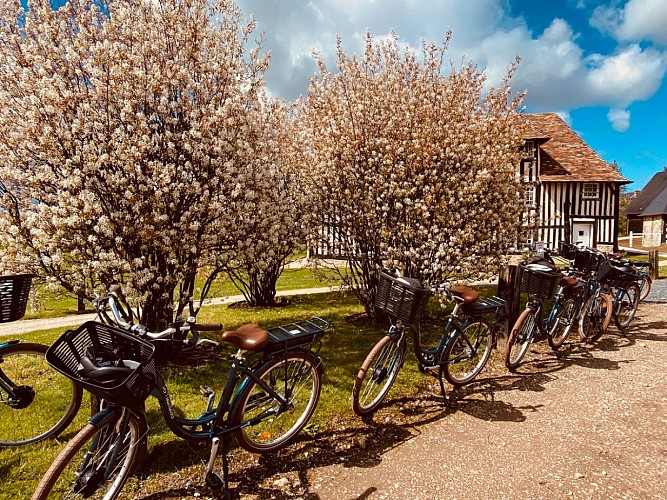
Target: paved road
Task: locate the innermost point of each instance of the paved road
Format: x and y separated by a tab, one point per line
658	292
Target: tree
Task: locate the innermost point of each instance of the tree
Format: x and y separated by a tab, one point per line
127	146
273	225
412	165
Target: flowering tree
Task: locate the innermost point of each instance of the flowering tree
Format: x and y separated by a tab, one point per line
127	146
273	223
410	164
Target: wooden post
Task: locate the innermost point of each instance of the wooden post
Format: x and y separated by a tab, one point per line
653	264
508	289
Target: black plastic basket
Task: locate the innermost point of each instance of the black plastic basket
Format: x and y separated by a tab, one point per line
615	277
542	284
66	352
585	260
14	292
298	334
401	298
567	250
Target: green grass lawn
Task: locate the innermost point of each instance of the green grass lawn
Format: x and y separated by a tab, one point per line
53	305
344	347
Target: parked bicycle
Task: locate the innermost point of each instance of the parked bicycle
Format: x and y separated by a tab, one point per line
271	391
594	311
36	402
541	282
460	355
639	268
622	286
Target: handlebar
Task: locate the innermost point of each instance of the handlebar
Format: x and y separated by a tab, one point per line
124	320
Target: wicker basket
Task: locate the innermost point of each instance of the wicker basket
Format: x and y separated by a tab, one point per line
14	292
542	284
66	352
401	298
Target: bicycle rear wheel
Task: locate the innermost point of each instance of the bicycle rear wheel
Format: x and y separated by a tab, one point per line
520	338
97	462
467	353
626	305
595	317
297	378
562	323
377	374
645	287
42	402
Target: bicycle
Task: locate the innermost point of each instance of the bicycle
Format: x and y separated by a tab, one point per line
595	312
643	279
541	282
622	284
264	403
463	349
36	402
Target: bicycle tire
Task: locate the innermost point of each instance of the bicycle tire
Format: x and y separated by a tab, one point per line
595	317
626	308
563	323
645	287
50	400
520	338
78	471
467	353
301	369
377	373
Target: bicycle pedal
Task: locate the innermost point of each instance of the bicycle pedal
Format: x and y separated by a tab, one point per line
214	481
205	391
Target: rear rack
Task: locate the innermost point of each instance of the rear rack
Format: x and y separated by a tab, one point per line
297	334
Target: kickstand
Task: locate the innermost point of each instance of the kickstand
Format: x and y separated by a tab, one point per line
213	480
442	387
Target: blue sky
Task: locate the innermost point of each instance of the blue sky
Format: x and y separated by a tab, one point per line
599	64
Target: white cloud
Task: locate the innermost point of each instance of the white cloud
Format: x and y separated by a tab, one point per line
636	20
555	69
619	119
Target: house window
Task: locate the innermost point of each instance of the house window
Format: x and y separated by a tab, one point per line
590	190
529	196
528	149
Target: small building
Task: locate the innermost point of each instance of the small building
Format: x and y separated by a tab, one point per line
571	194
647	213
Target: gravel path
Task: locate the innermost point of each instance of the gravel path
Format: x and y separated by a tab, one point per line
591	425
29	325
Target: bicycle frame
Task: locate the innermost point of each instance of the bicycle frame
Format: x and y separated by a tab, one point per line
214	422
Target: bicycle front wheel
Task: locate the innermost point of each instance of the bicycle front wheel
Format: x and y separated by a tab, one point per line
377	374
520	338
36	402
467	353
562	323
297	378
626	305
97	462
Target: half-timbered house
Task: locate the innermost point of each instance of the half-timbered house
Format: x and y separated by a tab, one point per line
570	193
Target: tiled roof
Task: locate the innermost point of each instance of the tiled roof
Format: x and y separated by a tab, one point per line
652	200
564	155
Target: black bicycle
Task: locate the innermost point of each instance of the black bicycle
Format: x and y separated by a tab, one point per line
463	349
36	402
271	391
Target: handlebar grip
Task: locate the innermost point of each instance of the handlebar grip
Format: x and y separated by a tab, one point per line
208	327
